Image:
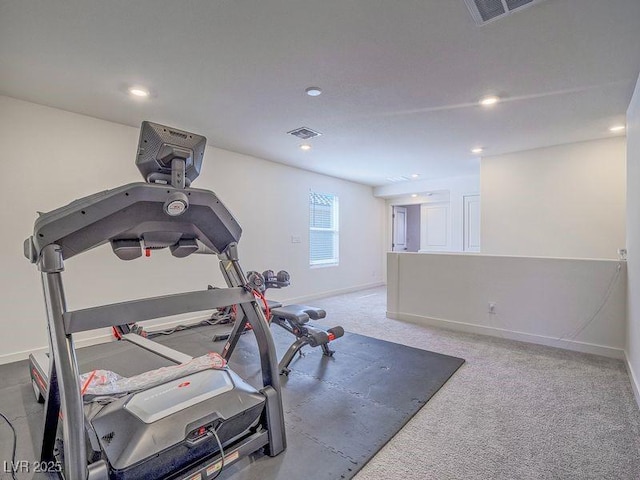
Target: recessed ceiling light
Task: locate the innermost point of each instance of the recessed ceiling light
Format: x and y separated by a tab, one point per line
313	91
139	92
617	128
489	100
415	175
477	150
414	195
305	147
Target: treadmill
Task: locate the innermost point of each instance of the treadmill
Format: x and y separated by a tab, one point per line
187	428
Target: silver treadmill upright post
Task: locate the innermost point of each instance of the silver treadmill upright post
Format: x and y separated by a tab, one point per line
253	314
64	393
234	276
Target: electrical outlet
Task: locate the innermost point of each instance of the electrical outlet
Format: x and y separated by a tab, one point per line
492	307
295	239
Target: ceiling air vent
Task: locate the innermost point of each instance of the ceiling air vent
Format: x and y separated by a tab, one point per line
397	179
485	11
304	133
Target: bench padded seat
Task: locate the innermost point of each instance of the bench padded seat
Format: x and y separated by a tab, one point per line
299	313
272	304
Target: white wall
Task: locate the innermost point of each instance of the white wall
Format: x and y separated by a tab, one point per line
53	157
452	190
563	201
633	240
539	300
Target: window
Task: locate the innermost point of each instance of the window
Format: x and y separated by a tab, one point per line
323	229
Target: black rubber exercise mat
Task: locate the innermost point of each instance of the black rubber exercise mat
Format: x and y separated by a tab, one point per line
339	411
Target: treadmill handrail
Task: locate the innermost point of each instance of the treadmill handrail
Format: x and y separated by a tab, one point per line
129	212
134	311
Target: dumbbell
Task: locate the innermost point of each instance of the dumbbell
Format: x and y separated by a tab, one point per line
279	280
256	280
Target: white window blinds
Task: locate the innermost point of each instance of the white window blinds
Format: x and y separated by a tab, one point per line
323	229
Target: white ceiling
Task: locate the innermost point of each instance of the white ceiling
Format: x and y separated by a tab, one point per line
401	79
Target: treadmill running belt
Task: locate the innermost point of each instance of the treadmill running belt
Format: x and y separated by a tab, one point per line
124	358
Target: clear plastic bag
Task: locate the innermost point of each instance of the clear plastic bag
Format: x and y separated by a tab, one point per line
100	384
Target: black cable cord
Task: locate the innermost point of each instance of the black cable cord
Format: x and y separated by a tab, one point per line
179	328
15	444
215	433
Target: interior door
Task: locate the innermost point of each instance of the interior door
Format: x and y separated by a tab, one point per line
399	229
435	232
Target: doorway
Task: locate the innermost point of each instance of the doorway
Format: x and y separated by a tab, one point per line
406	228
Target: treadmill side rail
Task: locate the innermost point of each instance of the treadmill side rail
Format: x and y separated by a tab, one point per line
39	371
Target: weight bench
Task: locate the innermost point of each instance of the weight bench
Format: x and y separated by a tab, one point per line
294	319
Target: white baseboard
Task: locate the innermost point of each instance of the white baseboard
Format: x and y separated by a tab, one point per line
635	384
331	293
87	342
23	355
574	345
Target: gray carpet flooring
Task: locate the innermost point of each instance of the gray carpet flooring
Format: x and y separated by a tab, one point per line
512	411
